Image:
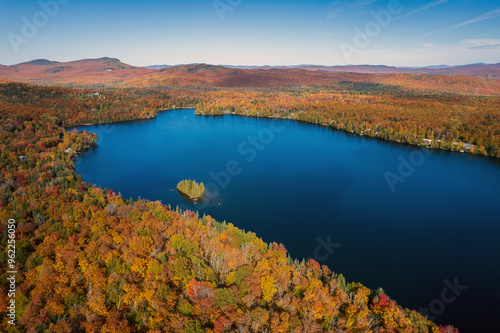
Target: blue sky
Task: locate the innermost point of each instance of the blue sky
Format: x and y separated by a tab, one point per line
253	32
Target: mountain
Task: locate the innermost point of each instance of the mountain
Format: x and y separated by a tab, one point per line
241	66
430	67
85	72
157	66
478	70
366	78
364	69
204	75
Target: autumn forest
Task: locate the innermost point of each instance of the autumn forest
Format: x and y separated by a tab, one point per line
89	260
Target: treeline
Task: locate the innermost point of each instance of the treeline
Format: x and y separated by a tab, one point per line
88	260
453	122
468	123
88	106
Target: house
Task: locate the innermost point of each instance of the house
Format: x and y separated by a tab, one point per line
467	146
427	141
22	157
96	94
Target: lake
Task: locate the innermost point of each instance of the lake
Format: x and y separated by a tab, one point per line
422	224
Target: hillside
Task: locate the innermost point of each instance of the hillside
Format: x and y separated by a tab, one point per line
89	72
113	73
89	260
477	70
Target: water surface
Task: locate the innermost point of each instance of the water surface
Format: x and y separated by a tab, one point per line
324	194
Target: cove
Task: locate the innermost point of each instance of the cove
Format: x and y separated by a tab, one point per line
430	240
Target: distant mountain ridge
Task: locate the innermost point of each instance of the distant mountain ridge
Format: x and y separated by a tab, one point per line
477	69
111	72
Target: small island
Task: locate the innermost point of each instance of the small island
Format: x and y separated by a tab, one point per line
191	190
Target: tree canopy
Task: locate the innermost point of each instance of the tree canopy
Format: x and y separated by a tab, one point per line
89	260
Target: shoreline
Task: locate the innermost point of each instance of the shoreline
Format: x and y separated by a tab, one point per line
423	146
67	127
352	133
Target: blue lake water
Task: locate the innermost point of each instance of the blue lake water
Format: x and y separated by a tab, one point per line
325	195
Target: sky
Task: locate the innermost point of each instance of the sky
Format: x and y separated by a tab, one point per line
252	32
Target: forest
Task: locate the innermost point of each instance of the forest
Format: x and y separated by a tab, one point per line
451	122
89	260
450	112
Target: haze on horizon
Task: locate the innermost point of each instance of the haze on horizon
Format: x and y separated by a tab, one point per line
243	32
